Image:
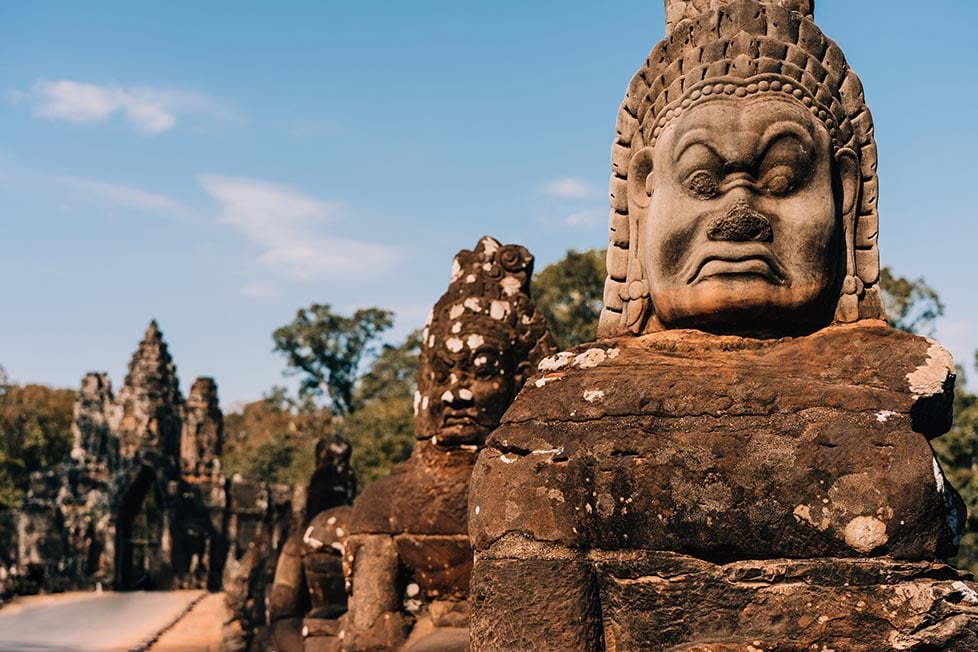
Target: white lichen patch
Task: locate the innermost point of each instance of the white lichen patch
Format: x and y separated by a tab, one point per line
457	328
967	593
803	514
417	401
499	309
549	451
884	415
331	520
613	353
310	540
480	361
454	344
447	396
555	362
471	448
474	341
424	402
542	382
505	459
865	533
456	311
593	395
465	394
456	269
590	358
938	476
510	285
928	379
470	278
338	547
489	245
473	304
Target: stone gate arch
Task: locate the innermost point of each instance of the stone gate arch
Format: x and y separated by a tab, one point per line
142	535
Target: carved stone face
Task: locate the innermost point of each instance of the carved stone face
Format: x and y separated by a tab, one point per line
469	390
743	230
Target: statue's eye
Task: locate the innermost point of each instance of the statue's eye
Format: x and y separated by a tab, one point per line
439	370
779	181
702	184
786	164
485	365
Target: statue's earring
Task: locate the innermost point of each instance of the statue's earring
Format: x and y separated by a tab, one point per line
847	310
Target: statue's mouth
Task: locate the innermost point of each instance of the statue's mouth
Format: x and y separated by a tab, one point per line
738	260
459	419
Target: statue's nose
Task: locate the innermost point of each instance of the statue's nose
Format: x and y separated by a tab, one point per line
459	397
740	223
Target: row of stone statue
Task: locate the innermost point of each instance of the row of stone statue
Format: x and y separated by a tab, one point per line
741	462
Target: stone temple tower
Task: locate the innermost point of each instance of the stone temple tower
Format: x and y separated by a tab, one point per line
147	412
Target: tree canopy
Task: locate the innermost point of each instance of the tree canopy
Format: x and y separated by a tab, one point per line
911	305
35	434
327	350
570	293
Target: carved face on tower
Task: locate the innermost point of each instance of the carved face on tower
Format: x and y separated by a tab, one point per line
483	339
744	187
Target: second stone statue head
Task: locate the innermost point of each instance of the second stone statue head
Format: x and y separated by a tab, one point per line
482	340
744	184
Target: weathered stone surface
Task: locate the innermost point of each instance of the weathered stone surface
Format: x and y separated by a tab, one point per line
679	10
671	602
729	448
93	438
203	429
148	407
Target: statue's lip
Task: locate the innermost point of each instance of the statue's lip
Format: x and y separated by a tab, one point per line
738	259
459	418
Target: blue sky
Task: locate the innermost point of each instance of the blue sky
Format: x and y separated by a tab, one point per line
218	165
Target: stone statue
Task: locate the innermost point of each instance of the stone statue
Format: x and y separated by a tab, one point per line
309	581
766	225
741	462
408	549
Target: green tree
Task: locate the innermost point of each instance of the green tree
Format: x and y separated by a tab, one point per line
381	427
327	350
911	305
570	293
35	434
273	439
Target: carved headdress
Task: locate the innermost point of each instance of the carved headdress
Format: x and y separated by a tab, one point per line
487	307
740	48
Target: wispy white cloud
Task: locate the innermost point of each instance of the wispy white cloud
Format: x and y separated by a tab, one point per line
289	228
125	196
150	110
569	189
586	218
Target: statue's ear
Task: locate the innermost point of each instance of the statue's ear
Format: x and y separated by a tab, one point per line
849	181
640	178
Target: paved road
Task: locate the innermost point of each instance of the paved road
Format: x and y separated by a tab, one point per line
89	622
